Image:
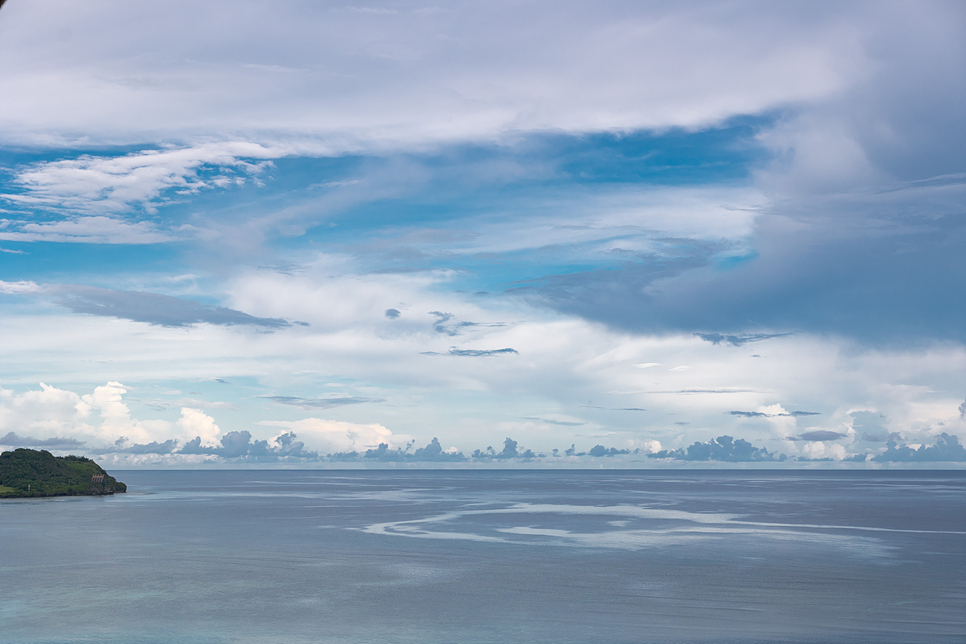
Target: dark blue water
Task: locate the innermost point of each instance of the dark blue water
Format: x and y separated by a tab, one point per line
491	556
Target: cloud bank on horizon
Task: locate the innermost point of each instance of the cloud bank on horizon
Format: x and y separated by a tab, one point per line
238	232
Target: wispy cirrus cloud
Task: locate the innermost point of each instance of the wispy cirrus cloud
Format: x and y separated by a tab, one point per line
96	185
194	403
96	229
550	421
322	403
773	414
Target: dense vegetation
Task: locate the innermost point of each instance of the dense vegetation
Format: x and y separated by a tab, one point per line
27	472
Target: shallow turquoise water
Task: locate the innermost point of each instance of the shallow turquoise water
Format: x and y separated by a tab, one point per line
491	556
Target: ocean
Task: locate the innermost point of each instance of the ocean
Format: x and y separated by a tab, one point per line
466	556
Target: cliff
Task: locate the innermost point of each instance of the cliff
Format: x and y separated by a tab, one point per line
29	473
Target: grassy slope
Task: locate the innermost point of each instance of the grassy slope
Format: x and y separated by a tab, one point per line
27	472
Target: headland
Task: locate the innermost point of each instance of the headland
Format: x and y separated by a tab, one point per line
32	473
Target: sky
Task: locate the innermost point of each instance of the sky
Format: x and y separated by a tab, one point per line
315	234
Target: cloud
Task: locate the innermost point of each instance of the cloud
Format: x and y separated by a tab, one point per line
962	409
12	439
392	314
819	451
322	403
120	447
868	426
486	72
238	445
49	412
446	323
154	308
87	230
333	436
716	390
473	353
665	285
562	423
108	401
383	453
573	363
113	184
763	414
433	452
93	418
855	202
20	288
201	426
193	403
722	448
599	450
738	340
820	435
597	224
946	449
509	451
840	217
441	320
866	239
140	306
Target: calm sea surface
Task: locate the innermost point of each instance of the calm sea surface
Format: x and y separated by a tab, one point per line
491	556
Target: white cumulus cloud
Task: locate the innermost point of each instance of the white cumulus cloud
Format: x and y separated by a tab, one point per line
331	436
195	423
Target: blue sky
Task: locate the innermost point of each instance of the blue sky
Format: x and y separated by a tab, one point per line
632	226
